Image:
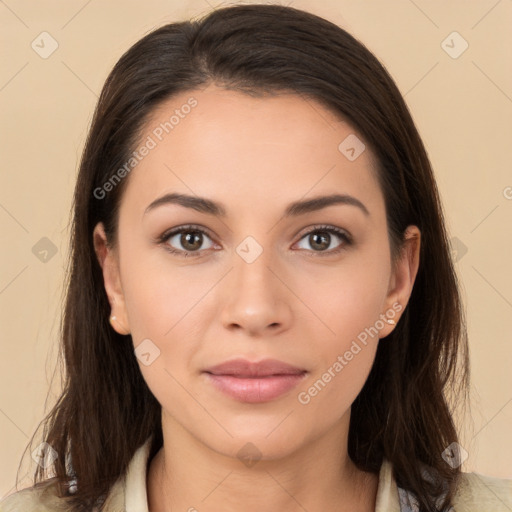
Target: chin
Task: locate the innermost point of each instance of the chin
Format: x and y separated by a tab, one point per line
262	442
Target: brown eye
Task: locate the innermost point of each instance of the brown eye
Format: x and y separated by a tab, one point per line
320	240
185	241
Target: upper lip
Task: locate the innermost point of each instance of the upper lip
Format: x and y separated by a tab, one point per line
244	368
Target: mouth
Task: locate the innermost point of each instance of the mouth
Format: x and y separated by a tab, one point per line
253	382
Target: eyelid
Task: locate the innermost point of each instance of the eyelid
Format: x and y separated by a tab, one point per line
326	227
190	227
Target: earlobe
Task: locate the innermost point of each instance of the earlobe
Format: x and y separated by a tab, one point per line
114	322
108	261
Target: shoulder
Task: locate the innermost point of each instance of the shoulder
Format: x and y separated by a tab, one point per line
42	497
476	492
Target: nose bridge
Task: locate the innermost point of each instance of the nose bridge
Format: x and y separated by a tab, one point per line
257	298
253	278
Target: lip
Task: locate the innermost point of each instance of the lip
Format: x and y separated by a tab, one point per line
255	382
244	368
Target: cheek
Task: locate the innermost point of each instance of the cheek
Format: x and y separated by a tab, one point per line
161	297
343	365
331	392
349	303
347	300
162	306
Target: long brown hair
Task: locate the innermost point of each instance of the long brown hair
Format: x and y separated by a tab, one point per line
404	411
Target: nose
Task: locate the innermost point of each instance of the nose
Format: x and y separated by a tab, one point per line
258	298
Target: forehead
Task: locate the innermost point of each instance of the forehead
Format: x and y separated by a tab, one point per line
221	143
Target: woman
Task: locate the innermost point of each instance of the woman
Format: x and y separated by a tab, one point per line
262	311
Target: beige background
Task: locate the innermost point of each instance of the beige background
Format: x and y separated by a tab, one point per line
462	107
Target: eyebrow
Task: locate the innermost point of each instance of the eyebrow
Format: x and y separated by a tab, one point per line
294	209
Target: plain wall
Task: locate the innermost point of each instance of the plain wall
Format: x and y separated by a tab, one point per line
462	107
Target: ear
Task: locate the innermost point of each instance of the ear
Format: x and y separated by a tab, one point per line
402	279
109	262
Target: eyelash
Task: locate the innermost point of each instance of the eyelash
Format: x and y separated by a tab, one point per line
164	238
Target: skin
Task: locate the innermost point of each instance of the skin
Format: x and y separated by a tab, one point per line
255	156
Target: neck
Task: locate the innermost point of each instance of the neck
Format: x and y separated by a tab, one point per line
320	476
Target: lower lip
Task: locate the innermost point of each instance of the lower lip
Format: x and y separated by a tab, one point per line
255	390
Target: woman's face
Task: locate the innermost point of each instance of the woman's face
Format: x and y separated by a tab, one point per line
260	282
